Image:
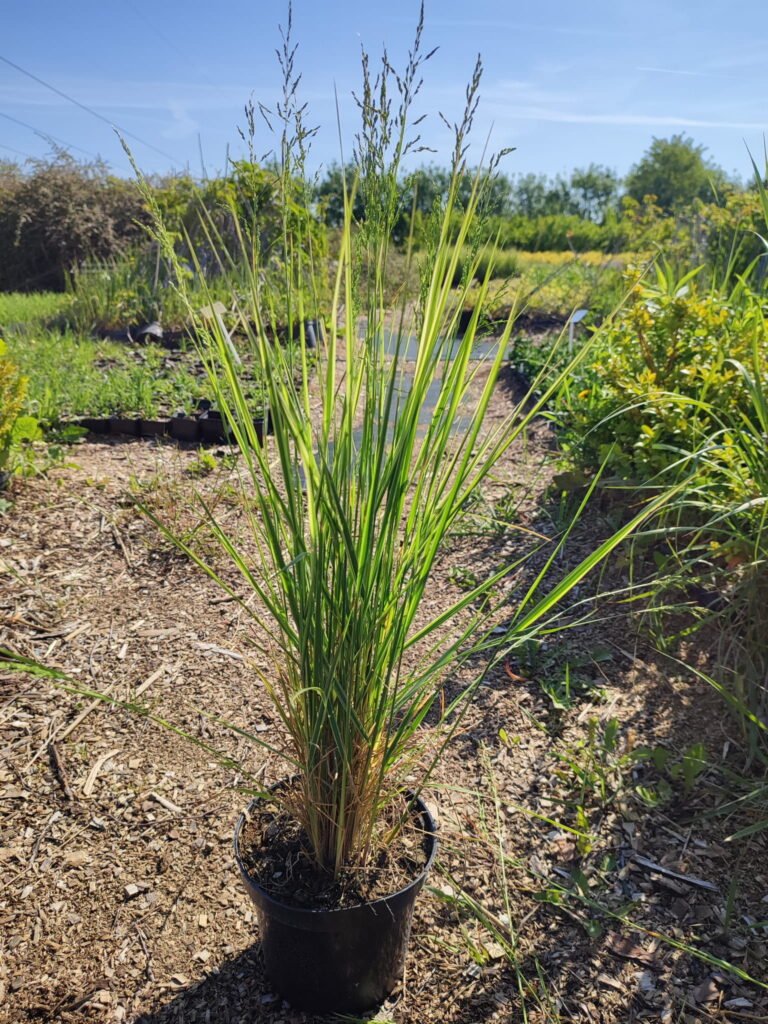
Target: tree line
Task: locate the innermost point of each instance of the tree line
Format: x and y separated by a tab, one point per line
674	171
57	213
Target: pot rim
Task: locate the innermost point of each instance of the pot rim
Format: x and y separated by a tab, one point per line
430	829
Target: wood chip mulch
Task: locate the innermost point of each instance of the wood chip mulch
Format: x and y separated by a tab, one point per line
120	899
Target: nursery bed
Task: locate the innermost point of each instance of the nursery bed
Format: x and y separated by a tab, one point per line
120	898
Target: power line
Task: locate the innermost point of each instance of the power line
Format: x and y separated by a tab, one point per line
46	135
88	110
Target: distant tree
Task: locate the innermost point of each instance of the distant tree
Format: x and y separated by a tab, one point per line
593	191
589	193
529	195
329	193
10	174
424	186
497	195
675	171
558	199
418	192
432	182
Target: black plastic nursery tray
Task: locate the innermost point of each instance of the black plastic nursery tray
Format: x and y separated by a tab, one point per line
208	428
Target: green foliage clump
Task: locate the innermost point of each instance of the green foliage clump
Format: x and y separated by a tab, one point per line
545	284
219	229
503	263
587	195
733	230
647	397
23	307
65	223
12	391
58	214
550	232
115	294
675	393
71	375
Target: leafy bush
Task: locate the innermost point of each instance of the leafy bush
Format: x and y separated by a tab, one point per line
12	390
639	226
732	234
717	533
219	229
648	396
116	294
676	390
59	214
504	264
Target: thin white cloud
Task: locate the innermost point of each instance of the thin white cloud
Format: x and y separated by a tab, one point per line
511	113
139	95
183	126
750	59
680	71
513	89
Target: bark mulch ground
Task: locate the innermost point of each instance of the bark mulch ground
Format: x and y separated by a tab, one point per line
120	899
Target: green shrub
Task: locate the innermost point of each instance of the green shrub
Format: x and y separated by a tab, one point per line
662	369
71	375
58	214
677	391
116	294
636	226
505	264
733	231
12	391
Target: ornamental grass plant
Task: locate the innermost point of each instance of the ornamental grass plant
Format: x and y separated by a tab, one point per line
378	444
372	460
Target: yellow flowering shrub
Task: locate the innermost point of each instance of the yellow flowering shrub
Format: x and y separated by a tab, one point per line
662	380
12	390
554	283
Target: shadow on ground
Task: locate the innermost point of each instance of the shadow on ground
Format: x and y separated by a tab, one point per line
236	992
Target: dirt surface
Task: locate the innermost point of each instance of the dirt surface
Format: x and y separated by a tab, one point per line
120	899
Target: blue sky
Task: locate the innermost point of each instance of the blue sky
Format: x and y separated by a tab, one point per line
564	83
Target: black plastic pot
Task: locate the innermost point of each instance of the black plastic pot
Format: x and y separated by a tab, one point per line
342	961
95	425
185	428
313	332
212	426
215	429
124	425
153	428
262	426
